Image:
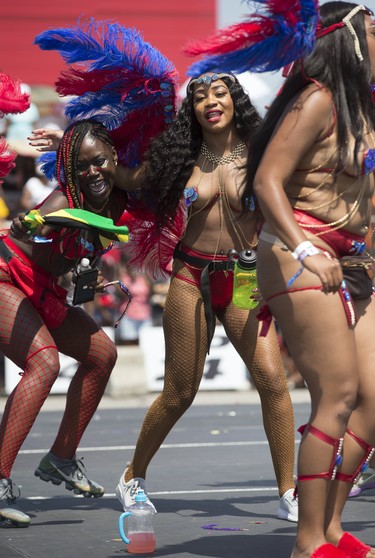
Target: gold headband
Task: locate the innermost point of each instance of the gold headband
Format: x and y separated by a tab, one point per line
349	25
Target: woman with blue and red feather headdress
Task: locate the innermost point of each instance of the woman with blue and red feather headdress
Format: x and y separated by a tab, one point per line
79	219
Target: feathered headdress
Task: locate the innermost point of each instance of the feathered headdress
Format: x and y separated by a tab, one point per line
12	101
118	79
129	86
277	34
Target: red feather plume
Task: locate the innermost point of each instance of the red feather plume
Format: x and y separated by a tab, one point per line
7	157
12	100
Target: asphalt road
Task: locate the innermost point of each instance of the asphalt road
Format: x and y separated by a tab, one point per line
212	483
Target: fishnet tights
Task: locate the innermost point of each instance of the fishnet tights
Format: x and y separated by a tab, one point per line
27	342
97	354
24	404
186	343
24	340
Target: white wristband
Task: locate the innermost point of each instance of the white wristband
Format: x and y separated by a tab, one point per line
305	249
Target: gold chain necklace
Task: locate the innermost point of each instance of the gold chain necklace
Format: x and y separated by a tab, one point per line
215	159
95	209
345	219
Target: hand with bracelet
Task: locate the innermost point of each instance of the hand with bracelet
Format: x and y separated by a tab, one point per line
326	267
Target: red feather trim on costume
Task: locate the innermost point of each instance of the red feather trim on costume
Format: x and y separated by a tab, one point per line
7	157
12	100
78	82
151	250
138	121
231	38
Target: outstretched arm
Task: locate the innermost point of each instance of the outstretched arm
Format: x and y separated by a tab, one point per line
131	179
45	139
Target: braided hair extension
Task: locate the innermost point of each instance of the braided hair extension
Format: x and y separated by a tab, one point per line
67	156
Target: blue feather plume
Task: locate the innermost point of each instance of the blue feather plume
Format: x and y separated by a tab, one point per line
289	33
116	76
47	163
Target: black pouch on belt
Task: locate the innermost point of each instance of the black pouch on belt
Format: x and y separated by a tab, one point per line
358	275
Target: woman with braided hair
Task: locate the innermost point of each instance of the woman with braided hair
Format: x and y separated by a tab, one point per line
37	323
196	166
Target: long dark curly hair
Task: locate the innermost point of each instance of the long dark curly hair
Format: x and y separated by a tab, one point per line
335	65
172	155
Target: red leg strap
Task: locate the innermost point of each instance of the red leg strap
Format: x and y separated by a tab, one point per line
337	457
364	464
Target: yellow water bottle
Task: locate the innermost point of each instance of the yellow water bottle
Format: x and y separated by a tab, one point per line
244	278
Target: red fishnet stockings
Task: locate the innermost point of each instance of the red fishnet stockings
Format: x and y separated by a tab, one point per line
25	340
24	404
186	343
97	355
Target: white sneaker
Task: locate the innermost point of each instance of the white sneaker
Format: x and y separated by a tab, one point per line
127	491
288	506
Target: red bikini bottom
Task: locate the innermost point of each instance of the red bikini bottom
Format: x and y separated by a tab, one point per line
40	287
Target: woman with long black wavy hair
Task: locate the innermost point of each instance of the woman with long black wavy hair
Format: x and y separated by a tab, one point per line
199	162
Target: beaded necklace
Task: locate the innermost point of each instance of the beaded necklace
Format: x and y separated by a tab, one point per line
224	160
345	219
223	200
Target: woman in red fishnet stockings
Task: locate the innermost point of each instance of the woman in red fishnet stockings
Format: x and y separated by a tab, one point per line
36	322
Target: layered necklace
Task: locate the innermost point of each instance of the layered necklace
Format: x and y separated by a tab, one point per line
216	160
345	219
217	163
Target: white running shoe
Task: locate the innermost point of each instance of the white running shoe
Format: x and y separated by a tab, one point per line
127	491
288	506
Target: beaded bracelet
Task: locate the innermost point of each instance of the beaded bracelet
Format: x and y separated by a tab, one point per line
306	248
